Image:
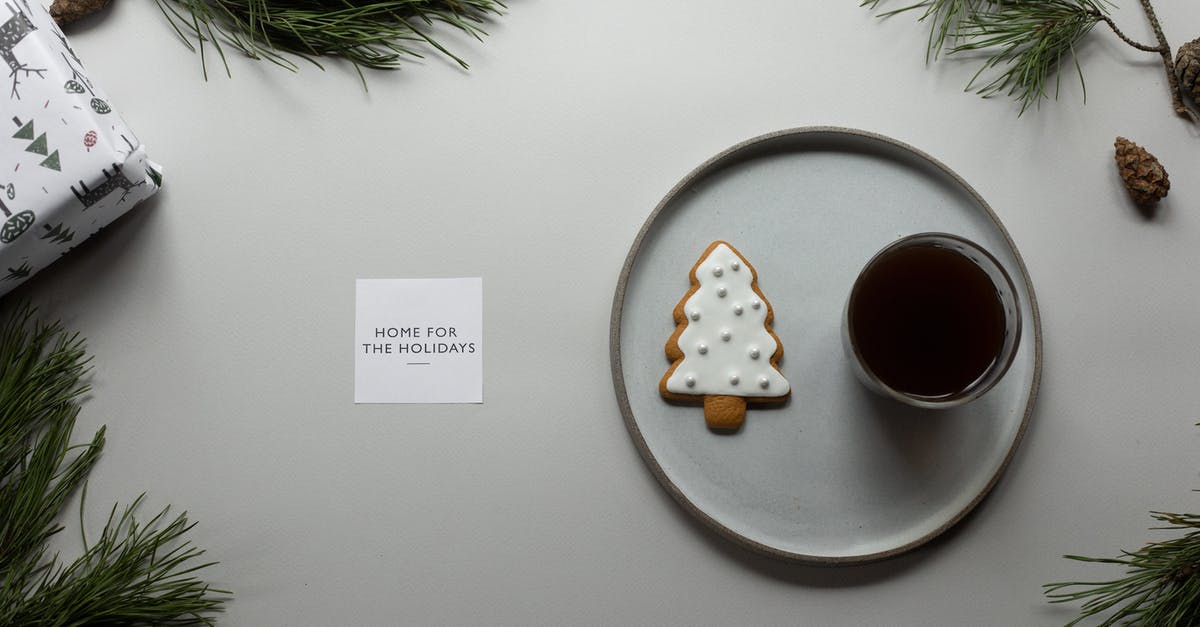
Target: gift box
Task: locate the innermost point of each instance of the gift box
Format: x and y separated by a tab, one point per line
69	165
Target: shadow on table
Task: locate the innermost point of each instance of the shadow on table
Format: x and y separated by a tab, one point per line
88	269
913	435
819	575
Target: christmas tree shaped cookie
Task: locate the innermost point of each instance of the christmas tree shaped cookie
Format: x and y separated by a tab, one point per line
724	350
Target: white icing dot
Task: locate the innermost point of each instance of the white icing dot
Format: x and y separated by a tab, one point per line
756	303
721	291
702	348
717	271
733	379
754	352
690	381
737	309
764	383
726	334
734	265
695	315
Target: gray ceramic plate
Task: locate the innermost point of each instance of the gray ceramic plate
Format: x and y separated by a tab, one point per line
836	475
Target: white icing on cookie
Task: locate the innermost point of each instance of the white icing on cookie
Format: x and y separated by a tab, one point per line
725	345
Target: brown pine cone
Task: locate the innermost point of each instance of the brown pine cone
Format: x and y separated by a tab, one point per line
1143	175
66	11
1187	69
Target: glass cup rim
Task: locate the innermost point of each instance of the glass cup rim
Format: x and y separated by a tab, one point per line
991	376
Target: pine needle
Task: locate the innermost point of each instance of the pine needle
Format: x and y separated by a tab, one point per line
1025	42
944	17
135	573
376	34
1031	40
1161	585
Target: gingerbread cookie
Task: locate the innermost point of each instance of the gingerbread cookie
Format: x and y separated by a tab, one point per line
723	351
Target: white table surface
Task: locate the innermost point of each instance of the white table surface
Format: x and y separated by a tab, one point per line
221	313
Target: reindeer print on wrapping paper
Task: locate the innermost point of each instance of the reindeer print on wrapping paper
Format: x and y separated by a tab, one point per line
12	31
112	182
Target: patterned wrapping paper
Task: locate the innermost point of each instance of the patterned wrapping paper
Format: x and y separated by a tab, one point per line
68	163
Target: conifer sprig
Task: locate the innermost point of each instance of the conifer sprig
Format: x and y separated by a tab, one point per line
1161	585
1026	42
943	16
135	573
378	34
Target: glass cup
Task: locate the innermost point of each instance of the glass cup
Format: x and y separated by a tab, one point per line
932	320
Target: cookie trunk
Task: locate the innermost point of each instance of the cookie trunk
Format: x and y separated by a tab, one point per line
724	412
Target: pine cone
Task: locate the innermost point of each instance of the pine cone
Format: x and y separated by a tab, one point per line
1187	69
66	11
1143	175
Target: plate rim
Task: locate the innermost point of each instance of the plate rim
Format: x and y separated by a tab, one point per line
635	431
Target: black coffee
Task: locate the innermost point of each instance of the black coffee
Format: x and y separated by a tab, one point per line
927	321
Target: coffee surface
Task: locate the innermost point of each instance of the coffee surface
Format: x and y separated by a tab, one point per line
927	320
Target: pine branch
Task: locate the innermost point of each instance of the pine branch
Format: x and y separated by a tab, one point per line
1164	51
1031	41
136	574
1161	586
131	576
41	369
1026	42
372	34
945	18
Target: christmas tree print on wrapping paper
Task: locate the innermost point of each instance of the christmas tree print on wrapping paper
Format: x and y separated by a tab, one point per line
59	233
724	351
37	145
21	272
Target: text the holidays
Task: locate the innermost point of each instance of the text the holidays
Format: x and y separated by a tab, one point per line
452	345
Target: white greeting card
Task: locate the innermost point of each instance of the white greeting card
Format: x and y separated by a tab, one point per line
418	341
